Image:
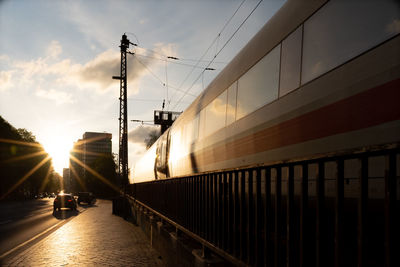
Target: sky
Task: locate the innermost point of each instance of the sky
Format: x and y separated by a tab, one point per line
57	59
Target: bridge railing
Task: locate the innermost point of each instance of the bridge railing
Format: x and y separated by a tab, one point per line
337	210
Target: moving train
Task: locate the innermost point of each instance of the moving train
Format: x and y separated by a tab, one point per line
321	77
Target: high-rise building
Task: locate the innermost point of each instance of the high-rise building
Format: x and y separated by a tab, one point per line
95	145
84	153
76	169
66	180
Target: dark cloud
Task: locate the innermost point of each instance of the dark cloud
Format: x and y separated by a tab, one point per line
141	133
108	64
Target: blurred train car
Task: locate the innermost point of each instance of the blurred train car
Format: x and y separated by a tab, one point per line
321	77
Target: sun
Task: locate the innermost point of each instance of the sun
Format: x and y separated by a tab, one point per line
58	149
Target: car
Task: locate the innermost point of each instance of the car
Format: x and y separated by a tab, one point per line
64	201
86	197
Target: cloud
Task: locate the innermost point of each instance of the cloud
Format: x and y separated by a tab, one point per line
59	97
92	24
166	49
4	58
141	133
5	80
99	70
54	49
96	74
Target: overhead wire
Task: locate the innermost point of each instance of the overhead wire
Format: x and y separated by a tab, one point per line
166	80
198	61
205	53
137	40
148	100
172	61
230	38
175	58
156	77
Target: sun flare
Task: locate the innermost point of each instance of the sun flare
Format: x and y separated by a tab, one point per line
58	150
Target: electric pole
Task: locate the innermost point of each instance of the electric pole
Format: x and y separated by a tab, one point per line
123	115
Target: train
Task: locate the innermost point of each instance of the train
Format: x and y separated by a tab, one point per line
320	77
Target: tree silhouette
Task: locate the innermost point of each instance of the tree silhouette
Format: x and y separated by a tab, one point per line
24	165
106	167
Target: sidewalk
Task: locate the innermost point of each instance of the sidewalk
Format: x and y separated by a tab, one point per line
93	238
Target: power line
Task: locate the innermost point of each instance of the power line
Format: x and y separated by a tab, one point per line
157	78
166	79
148	100
144	100
207	61
137	40
174	58
230	38
172	61
142	121
201	58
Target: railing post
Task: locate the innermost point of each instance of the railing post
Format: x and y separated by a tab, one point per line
268	247
320	214
258	220
220	216
278	218
391	215
236	209
243	217
203	207
290	259
224	213
230	238
215	208
209	210
304	260
362	210
250	222
339	213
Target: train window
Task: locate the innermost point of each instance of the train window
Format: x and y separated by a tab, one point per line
187	131
291	62
215	114
342	30
191	131
231	105
202	123
259	85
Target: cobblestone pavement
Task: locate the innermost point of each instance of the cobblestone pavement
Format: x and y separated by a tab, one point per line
93	238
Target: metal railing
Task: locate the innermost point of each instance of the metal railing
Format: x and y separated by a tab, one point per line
340	210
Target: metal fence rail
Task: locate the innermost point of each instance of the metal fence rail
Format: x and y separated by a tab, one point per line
328	211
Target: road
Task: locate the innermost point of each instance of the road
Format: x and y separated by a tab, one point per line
21	221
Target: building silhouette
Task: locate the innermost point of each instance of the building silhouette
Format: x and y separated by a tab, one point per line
84	153
67	180
95	145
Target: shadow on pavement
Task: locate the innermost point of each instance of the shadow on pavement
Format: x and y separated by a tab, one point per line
64	214
86	206
19	209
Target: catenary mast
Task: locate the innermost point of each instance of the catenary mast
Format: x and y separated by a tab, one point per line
123	114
